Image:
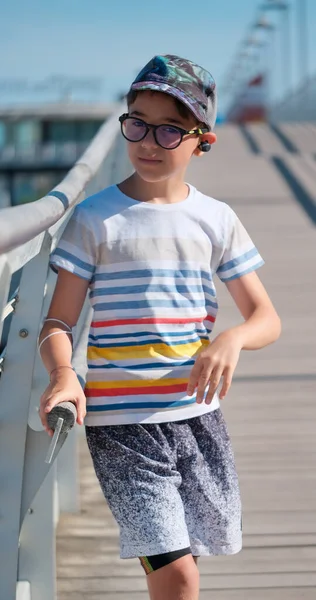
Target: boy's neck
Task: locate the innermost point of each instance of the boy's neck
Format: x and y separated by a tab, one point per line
168	191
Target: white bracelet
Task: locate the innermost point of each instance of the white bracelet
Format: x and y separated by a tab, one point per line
58	321
50	335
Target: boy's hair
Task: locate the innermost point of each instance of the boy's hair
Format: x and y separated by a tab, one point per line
183	111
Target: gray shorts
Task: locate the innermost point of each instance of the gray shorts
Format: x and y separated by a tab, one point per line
170	485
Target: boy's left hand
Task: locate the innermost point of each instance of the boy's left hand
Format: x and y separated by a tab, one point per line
218	360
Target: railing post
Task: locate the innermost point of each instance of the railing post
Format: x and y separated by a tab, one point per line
23	591
5	278
15	388
37	554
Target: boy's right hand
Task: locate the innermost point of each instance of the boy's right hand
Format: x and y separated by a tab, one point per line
64	386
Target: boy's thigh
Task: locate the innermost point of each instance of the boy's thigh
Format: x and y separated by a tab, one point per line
140	483
209	488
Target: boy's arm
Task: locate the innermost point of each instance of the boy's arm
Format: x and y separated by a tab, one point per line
66	305
56	351
262	326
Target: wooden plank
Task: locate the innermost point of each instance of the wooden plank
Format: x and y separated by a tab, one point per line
207	582
242	594
251	560
276	522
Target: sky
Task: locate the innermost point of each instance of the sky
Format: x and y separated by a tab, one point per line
110	40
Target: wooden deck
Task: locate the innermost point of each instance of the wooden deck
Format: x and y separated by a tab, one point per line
271	414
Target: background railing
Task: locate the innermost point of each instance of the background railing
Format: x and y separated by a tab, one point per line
58	155
32	493
299	105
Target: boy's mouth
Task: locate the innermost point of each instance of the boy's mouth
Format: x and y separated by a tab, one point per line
149	160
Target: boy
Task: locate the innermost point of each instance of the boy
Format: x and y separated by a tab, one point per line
148	249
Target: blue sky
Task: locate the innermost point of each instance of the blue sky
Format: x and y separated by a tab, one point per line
112	39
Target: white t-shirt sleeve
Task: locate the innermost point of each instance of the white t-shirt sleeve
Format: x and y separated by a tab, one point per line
239	256
77	249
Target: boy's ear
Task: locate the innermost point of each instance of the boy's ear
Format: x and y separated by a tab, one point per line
209	137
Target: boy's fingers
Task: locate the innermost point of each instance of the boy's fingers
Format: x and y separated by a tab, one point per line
213	385
81	412
47	404
51	403
42	415
45	408
203	381
194	377
228	376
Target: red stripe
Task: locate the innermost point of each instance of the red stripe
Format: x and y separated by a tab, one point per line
136	391
147	321
209	318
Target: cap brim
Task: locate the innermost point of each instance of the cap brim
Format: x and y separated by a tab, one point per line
176	93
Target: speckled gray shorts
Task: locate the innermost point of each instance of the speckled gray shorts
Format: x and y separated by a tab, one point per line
170	485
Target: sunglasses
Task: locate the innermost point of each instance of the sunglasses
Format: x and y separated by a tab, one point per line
165	136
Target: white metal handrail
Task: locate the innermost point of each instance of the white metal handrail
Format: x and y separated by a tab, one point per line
20	224
30	490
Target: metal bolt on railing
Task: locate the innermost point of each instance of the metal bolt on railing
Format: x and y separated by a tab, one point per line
23	333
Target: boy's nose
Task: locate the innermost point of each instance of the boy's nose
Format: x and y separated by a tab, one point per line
149	140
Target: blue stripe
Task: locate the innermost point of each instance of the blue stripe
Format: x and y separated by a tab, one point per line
73	259
210	303
210	291
145	342
238	260
143	333
133	274
127	405
141	289
241	273
176	303
144	367
61	196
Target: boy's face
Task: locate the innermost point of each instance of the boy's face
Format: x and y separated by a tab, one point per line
151	162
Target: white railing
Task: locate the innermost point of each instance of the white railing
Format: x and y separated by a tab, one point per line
33	493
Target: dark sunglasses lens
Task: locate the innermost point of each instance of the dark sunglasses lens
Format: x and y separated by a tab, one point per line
168	137
134	130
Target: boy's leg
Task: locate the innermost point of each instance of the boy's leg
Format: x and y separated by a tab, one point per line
209	488
136	468
178	580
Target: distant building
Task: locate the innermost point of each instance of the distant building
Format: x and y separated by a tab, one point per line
39	144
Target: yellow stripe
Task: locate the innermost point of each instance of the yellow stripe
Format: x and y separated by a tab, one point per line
148	351
95	385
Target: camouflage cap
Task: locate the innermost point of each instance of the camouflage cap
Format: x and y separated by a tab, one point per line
183	79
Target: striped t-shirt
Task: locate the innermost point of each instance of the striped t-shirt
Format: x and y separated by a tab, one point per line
151	272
